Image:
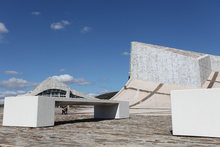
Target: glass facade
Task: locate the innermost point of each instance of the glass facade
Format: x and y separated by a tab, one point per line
53	93
57	93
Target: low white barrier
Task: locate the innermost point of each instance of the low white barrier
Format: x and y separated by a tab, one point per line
39	111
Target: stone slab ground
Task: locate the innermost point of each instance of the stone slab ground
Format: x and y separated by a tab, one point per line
77	129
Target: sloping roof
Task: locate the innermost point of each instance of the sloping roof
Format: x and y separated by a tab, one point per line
173	50
185	68
51	83
75	92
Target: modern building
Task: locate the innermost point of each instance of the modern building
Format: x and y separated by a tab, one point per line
54	88
156	70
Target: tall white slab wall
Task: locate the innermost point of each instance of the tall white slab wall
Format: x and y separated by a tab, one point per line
215	62
166	65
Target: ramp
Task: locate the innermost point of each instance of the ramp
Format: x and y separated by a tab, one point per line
148	98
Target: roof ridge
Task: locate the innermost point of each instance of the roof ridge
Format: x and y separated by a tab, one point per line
173	50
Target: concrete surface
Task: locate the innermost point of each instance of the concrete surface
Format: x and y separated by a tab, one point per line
195	112
28	111
38	111
215	63
78	129
167	65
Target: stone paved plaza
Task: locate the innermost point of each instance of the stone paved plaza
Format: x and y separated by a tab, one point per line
81	130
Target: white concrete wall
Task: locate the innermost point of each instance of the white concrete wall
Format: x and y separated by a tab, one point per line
150	63
215	62
204	68
116	111
195	112
46	111
29	111
20	111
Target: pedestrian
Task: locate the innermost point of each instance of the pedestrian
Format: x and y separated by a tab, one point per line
63	110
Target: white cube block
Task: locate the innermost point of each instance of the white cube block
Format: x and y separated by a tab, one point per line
28	111
196	112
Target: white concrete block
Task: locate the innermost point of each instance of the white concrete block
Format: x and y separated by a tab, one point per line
46	111
195	112
215	62
28	111
39	111
115	111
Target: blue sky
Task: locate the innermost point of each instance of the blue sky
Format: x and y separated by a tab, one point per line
85	41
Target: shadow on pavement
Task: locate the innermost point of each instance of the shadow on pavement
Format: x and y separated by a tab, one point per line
78	121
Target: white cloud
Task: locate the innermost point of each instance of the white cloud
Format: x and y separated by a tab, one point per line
59	25
15	84
126	53
36	13
65	22
20	92
3	30
86	29
11	72
62	70
104	91
9	93
66	78
92	94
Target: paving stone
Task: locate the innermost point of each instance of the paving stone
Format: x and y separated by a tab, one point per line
82	130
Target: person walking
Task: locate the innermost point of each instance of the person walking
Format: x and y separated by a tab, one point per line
64	110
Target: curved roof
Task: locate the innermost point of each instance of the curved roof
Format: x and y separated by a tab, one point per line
52	83
49	83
